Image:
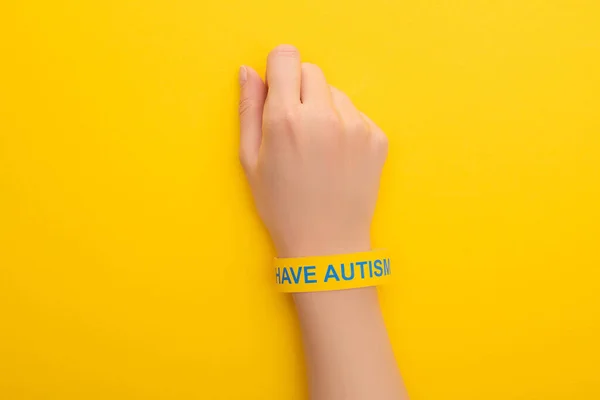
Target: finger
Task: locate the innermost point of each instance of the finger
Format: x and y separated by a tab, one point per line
284	74
314	89
252	101
347	111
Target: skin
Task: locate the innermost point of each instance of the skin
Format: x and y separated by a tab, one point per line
313	162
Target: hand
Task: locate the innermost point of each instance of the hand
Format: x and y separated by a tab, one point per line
312	159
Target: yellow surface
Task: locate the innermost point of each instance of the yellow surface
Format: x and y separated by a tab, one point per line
132	265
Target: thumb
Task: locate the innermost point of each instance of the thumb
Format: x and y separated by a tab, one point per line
252	100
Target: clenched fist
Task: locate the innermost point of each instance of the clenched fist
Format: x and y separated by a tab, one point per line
312	159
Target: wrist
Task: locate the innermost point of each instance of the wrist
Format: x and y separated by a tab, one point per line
324	247
314	304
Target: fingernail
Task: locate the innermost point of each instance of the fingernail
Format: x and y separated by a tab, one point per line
243	75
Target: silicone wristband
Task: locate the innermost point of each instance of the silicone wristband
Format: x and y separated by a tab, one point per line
336	272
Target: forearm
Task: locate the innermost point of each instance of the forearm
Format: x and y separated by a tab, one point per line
348	352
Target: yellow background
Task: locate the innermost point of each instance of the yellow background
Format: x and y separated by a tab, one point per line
132	265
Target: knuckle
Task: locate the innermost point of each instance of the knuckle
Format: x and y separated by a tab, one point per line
331	121
243	157
291	117
247	162
357	126
244	161
381	140
245	105
283	118
324	119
